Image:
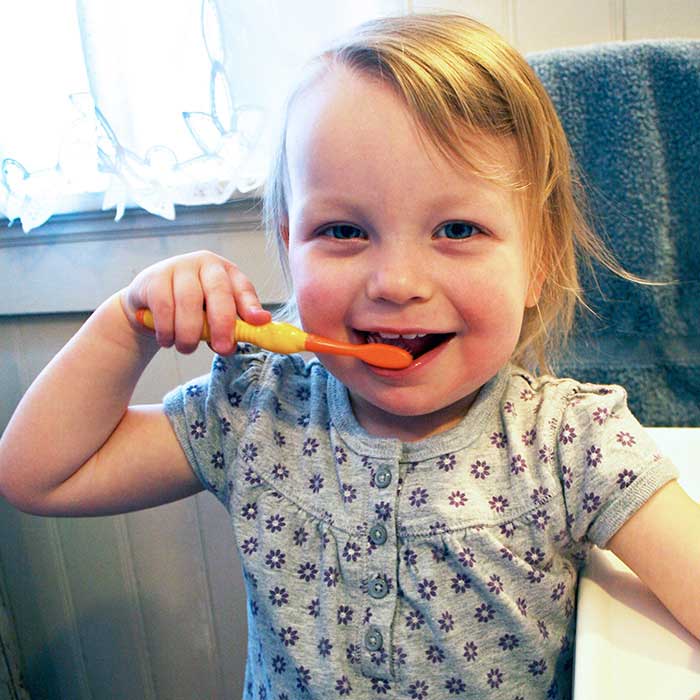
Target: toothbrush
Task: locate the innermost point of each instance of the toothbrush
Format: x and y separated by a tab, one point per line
286	338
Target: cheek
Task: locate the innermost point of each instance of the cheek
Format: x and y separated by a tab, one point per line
320	294
493	304
313	304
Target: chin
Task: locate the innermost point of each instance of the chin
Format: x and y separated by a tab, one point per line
416	403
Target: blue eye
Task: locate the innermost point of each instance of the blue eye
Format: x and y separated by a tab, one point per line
343	232
458	230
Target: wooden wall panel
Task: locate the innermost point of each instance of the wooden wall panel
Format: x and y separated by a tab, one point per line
42	606
99	573
175	603
227	593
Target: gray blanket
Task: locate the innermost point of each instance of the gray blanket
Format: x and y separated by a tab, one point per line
632	114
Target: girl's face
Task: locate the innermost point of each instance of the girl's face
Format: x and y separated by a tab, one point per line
387	237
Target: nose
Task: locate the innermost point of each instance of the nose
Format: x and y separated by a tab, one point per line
398	274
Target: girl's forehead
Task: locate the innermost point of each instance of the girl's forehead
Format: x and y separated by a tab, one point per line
336	98
342	115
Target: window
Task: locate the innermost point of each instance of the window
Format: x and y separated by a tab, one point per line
148	103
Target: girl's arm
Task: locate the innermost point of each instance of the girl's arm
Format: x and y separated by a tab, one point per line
74	446
661	544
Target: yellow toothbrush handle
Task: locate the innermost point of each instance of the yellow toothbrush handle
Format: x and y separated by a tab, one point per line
274	336
277	337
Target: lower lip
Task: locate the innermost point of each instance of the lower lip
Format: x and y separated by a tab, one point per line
416	365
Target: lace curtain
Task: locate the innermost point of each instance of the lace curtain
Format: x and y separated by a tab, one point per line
148	103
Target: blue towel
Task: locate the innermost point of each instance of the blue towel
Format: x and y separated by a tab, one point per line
632	114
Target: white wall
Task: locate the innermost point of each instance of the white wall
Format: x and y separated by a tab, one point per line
151	605
535	25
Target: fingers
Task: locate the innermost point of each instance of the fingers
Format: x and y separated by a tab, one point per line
247	302
159	299
189	308
228	293
220	307
182	291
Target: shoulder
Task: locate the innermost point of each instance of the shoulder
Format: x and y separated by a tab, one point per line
242	387
555	399
247	401
249	371
607	462
584	422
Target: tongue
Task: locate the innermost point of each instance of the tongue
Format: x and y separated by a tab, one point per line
416	346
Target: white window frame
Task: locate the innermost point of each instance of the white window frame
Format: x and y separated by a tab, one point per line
75	261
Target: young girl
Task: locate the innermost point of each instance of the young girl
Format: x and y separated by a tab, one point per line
411	533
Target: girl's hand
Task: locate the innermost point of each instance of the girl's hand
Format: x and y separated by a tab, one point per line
179	289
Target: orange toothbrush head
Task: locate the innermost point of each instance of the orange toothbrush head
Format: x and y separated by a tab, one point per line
377	354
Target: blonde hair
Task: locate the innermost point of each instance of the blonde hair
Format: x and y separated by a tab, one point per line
461	81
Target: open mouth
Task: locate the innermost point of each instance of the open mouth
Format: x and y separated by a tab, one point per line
416	343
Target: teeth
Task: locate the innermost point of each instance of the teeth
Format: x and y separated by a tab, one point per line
408	336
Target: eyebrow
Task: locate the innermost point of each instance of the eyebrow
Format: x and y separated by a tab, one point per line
342	203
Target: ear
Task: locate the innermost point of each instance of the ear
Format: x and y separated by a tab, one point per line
535	289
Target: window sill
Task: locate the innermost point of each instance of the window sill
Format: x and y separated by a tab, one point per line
73	262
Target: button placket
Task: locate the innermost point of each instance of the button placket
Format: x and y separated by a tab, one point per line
381	595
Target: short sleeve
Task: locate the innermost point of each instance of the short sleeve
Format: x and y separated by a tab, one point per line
609	465
209	415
